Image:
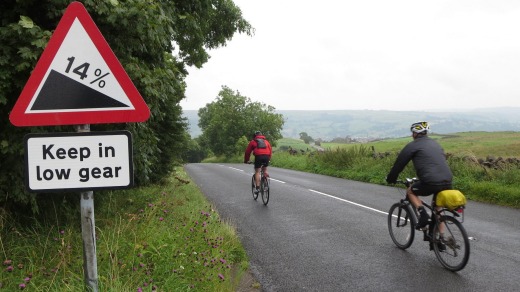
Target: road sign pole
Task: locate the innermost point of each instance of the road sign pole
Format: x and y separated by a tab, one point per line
88	232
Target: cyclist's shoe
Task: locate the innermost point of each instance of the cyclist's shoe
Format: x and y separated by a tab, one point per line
441	246
424	219
257	190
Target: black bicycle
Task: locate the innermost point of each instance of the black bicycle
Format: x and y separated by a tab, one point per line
445	232
264	186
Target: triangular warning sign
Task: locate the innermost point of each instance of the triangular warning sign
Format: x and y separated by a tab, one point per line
78	80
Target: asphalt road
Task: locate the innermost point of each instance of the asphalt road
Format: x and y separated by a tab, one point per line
320	233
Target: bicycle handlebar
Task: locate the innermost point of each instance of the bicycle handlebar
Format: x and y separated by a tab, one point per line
407	181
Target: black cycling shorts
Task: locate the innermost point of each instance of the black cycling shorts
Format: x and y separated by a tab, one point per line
421	189
261	160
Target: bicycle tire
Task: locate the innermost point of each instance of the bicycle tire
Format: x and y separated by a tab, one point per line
456	255
253	188
264	189
401	225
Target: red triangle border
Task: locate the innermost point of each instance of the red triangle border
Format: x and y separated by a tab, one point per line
18	117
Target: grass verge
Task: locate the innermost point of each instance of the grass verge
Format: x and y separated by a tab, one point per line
160	238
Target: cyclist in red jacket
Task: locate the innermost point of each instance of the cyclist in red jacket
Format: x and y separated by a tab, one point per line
262	151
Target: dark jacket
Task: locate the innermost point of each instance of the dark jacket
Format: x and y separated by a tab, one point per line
428	160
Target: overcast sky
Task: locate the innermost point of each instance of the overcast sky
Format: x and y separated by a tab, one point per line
369	54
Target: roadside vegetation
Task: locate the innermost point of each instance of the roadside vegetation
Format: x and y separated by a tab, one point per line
486	165
159	238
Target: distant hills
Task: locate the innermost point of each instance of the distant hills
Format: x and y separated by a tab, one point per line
373	124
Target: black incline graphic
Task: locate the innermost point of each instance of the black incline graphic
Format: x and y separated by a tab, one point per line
61	92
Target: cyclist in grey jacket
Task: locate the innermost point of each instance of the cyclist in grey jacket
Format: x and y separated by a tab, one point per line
430	166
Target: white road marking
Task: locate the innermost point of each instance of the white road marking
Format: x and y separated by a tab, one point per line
347	201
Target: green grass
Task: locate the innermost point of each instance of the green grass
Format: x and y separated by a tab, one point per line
160	238
357	162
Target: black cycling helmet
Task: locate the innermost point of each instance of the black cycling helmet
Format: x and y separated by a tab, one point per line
258	133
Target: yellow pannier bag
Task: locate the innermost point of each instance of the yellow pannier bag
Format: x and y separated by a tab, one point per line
450	199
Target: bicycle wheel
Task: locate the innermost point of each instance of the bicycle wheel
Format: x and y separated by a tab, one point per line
264	189
400	225
456	243
253	188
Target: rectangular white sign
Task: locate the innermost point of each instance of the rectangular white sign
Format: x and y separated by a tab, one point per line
78	161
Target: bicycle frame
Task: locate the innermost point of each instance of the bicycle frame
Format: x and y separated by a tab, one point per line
445	233
264	185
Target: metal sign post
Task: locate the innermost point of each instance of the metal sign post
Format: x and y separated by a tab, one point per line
88	232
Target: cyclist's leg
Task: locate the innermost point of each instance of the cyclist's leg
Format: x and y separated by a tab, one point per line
262	161
413	198
257	177
258	165
264	169
413	192
441	224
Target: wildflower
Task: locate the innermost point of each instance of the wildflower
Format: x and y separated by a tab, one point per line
221	277
139	289
62	232
139	255
9	268
22	286
27	280
161	218
7	262
223	261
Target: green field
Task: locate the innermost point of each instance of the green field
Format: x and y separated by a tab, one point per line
479	144
468	154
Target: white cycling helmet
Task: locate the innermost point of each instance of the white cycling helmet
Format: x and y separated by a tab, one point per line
420	127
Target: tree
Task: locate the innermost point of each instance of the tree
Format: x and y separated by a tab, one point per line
231	118
143	35
306	138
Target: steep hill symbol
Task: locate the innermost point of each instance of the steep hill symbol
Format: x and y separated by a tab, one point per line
60	92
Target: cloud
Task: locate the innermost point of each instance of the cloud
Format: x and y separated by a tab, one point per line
373	54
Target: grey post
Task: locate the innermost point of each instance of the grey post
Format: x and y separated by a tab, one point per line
88	232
